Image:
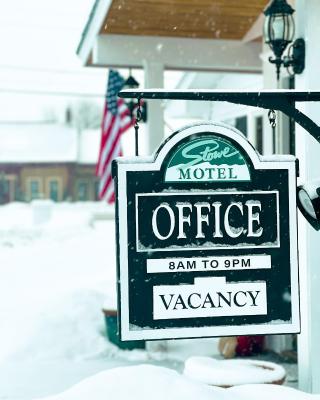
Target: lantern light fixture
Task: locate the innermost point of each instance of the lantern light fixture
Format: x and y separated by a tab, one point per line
132	83
279	33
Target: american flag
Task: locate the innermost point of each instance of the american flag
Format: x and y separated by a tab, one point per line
116	120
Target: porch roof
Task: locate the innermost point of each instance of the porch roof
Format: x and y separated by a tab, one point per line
167	23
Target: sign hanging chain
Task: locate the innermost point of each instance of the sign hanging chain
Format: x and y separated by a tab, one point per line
136	126
272	120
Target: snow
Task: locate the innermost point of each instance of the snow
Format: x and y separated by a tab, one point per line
263	92
55	278
145	382
47	283
277	157
47	142
232	372
268	392
57	272
89	146
42	142
135	160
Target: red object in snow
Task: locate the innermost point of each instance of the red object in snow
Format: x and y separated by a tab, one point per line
248	345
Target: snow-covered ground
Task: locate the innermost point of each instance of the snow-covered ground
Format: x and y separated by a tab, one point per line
57	269
146	382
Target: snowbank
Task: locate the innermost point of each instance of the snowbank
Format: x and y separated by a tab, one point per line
146	382
143	382
22	223
232	372
56	275
69	327
269	392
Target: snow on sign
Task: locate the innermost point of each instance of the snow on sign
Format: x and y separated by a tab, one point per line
207	239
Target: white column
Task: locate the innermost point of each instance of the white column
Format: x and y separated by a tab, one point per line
308	151
269	82
251	127
276	343
282	129
154	78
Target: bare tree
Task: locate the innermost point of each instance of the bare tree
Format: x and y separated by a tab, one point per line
86	115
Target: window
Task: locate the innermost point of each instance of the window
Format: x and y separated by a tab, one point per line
34	189
4	190
82	194
96	190
242	125
259	134
54	190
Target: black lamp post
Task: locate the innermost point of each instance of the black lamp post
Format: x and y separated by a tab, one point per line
131	83
279	33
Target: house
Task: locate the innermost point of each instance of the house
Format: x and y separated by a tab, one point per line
47	160
248	120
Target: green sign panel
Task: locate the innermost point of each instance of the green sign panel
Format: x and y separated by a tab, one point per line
208	158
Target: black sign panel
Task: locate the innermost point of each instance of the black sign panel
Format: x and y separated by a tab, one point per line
207	220
206	239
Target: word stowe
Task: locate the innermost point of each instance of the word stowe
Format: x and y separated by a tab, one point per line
209	297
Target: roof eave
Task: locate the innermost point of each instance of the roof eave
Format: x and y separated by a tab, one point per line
92	28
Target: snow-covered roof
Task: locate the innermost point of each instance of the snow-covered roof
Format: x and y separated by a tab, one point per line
47	143
89	146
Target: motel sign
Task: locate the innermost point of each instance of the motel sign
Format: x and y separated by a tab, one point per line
207	239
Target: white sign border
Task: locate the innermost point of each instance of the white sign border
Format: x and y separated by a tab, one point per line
150	164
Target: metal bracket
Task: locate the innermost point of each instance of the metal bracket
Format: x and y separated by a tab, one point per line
280	100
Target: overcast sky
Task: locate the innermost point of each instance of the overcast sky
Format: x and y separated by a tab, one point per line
42	33
38	41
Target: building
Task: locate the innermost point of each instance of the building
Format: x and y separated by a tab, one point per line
47	160
222	36
248	120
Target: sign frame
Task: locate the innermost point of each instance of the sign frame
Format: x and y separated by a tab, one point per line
123	165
